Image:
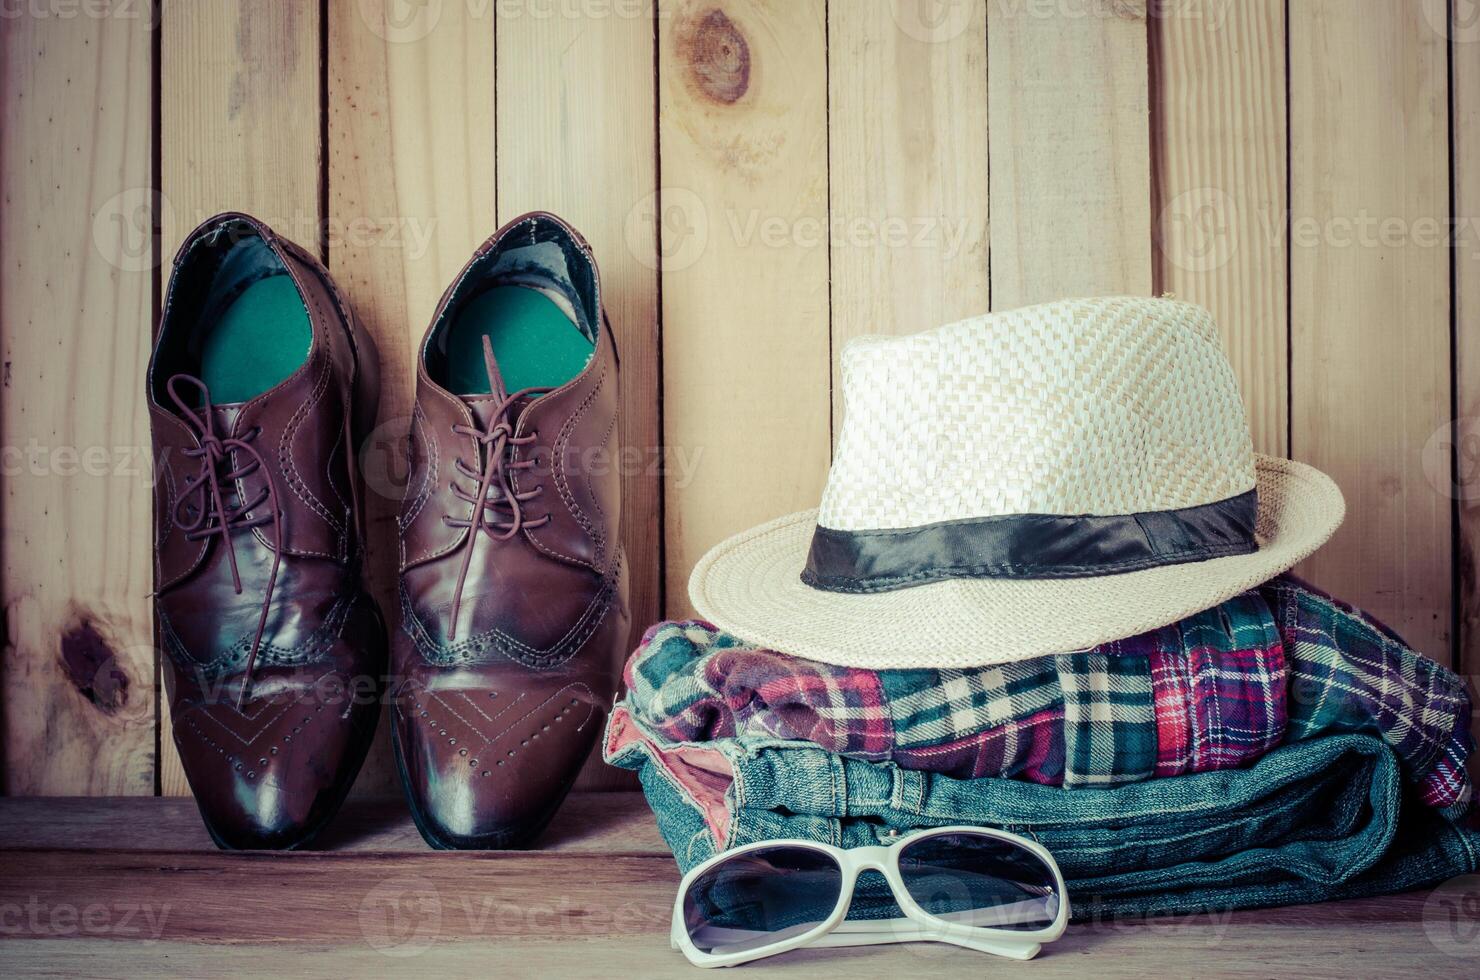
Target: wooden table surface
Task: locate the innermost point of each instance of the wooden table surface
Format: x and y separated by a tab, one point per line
129	886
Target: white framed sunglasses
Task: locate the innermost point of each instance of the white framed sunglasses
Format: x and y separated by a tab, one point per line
975	887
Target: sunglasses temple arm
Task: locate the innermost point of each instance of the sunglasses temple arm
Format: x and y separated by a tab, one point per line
1015	951
908	933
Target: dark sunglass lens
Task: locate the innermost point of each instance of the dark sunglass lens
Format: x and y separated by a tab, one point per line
761	897
978	880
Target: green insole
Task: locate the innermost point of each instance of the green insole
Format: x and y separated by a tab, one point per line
535	344
256	342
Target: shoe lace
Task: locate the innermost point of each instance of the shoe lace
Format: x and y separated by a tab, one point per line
212	515
497	443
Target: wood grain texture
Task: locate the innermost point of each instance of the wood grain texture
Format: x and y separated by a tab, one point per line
239	109
742	216
602	870
76	298
411	196
907	165
325	896
1370	351
1337	945
595	902
1461	446
1070	150
576	136
1220	190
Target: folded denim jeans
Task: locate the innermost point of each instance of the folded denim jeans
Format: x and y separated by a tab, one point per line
1324	818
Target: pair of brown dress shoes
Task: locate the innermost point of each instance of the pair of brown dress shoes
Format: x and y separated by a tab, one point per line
262	389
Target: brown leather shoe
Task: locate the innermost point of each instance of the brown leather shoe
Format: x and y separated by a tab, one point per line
259	390
513	585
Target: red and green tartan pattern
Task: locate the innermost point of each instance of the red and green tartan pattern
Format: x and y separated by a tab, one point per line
1214	691
1351	673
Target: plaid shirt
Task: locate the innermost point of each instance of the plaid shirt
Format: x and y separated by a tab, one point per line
1350	673
1214	691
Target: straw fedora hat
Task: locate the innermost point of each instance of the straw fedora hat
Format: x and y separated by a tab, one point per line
1020	484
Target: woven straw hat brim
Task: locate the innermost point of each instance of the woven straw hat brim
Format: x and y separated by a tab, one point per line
750	586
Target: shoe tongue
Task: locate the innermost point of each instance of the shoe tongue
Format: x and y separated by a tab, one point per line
484	407
225	416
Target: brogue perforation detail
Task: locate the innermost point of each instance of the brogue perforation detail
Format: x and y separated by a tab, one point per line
418	421
472	649
431	709
315	646
562	482
288	465
266	755
261	721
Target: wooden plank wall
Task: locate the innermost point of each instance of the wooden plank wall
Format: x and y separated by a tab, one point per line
742	223
76	302
908	180
1370	296
1219	190
1068	88
762	180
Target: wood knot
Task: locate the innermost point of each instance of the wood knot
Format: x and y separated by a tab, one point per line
91	666
717	57
1135	10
